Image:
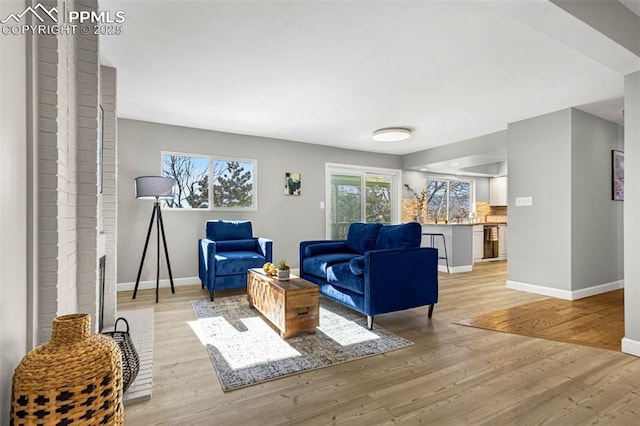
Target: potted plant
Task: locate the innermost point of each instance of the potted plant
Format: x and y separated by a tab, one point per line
420	218
283	270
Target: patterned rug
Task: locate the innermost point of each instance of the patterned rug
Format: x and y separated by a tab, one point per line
246	350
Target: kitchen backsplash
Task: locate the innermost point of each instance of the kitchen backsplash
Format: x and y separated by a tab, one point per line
483	209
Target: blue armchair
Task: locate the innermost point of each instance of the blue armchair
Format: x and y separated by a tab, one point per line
376	270
227	252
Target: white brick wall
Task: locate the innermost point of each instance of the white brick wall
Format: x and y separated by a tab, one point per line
68	94
108	199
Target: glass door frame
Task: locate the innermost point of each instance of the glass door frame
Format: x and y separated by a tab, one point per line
362	171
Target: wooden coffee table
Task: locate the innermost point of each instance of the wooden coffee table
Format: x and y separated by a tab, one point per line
292	306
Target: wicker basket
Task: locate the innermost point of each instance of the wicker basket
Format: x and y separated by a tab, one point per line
130	361
76	378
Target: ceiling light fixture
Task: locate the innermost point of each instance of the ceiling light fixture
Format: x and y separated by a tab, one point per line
391	134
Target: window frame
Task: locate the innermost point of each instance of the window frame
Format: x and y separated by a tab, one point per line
448	179
211	159
362	171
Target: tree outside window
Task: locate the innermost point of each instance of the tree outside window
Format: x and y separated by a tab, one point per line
448	199
232	184
192	177
210	183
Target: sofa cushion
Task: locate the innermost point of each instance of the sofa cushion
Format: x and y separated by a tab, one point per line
340	276
325	248
362	236
399	236
237	245
221	230
237	262
317	265
356	265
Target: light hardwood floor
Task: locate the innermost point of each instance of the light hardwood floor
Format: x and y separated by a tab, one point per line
452	375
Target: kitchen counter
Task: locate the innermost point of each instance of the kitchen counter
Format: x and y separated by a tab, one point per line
459	239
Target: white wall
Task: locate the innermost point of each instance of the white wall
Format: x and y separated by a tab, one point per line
569	244
597	252
539	237
285	219
13	212
631	341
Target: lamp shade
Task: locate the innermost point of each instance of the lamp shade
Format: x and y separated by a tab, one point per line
152	187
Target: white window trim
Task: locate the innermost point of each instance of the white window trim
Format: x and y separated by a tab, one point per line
329	168
472	197
211	159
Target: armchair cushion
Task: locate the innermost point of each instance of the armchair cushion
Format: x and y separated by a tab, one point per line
222	230
324	248
399	236
362	236
237	262
317	265
356	265
236	245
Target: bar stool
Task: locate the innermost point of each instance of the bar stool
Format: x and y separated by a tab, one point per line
444	243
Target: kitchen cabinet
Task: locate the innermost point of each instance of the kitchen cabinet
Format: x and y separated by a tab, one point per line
498	191
478	243
502	242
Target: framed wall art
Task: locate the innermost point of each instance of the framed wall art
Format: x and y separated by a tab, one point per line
292	183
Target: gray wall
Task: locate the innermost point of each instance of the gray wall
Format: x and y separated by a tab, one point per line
596	220
571	238
285	219
539	237
631	342
13	214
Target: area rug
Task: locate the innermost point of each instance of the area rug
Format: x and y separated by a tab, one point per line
596	321
246	350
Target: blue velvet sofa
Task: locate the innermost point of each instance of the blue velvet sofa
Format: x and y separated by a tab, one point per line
376	270
227	252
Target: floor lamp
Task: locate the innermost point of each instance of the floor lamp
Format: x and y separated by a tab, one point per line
155	188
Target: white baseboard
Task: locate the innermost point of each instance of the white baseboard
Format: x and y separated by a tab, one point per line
631	347
145	285
566	294
455	269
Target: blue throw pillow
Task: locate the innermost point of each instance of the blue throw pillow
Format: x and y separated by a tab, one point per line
356	265
362	236
325	248
399	236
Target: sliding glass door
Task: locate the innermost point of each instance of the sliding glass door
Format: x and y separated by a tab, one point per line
360	195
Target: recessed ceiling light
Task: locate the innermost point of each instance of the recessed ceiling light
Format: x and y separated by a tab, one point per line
391	134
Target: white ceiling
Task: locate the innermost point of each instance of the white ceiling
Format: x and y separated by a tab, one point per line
331	72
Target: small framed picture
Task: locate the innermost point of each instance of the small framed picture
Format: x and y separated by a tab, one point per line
292	183
617	174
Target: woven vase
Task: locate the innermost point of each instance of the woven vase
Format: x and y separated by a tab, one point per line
75	379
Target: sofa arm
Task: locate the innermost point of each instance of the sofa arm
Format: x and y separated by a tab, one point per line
265	248
397	279
206	253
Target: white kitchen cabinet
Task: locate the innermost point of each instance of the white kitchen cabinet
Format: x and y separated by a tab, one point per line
502	242
478	243
498	191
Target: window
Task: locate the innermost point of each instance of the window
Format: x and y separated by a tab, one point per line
356	194
448	199
211	183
